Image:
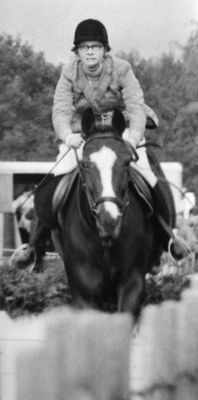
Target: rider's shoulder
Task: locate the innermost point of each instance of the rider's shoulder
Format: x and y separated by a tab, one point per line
121	64
70	66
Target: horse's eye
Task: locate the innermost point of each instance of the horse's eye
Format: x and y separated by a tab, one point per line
126	165
127	162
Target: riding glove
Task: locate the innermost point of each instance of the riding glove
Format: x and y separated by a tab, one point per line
134	137
74	140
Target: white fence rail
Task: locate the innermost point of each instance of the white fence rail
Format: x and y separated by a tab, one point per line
10	169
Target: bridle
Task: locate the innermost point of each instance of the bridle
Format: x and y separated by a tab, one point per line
93	204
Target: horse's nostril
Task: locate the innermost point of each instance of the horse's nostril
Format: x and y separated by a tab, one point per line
107	242
108	232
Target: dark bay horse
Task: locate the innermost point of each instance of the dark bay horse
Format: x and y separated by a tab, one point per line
108	240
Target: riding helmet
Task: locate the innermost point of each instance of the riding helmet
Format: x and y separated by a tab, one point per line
91	30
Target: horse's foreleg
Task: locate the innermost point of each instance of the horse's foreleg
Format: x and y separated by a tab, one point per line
79	303
57	241
38	242
129	294
86	284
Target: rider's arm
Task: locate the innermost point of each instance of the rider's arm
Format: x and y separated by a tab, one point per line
134	102
62	106
62	110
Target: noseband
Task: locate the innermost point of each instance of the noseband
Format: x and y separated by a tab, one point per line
122	204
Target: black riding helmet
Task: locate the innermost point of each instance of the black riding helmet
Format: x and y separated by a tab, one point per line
91	30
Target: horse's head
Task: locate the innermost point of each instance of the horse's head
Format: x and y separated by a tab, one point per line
105	171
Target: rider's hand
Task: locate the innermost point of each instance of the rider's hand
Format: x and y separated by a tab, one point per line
132	147
134	137
132	142
73	140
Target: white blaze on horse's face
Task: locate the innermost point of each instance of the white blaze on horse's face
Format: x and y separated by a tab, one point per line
104	160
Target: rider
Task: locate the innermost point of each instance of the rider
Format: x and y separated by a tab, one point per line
97	79
94	78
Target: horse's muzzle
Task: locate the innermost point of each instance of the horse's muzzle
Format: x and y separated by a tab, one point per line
107	243
108	228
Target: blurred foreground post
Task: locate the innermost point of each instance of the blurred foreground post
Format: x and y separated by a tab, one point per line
86	356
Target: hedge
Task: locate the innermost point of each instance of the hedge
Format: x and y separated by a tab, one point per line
22	292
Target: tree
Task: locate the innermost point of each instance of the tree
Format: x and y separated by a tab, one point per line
27	84
190	62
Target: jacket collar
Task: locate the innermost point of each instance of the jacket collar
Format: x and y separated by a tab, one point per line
104	81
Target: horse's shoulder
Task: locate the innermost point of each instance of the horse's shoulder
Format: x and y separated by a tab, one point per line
63	190
141	188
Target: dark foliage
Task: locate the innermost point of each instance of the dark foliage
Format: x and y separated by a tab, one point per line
169	287
27	85
23	293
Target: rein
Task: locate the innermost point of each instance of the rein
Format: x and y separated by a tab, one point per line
44	178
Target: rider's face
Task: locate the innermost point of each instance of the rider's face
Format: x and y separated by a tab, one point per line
91	53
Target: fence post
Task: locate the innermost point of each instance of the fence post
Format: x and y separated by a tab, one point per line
86	357
1	234
6	198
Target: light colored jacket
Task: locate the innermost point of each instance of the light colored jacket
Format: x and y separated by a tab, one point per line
117	88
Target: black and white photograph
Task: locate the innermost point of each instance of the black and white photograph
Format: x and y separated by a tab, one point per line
98	200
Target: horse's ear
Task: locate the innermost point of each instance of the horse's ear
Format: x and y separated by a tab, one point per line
88	121
118	122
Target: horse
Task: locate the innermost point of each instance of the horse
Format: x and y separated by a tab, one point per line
22	208
107	235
